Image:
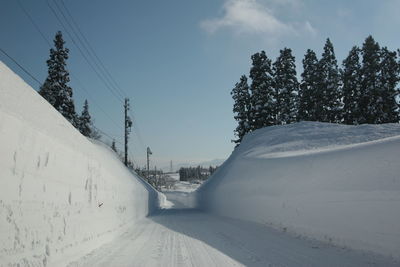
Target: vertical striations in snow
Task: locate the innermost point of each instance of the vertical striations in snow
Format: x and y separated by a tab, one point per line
61	195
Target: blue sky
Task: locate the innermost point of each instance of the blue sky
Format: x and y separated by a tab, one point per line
178	60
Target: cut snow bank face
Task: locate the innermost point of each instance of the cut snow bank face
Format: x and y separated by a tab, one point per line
335	183
60	194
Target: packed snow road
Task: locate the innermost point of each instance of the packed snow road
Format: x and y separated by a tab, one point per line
188	237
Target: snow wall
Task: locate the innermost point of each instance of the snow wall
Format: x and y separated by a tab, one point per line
310	180
61	195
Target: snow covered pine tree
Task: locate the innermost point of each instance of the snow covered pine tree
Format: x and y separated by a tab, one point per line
351	79
329	86
55	89
262	92
241	96
286	87
308	91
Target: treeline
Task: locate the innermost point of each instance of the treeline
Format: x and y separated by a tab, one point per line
59	94
363	90
195	173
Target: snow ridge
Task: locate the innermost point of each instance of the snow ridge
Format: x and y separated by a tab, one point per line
335	183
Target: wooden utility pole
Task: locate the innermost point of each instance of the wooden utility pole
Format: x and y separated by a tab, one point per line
128	125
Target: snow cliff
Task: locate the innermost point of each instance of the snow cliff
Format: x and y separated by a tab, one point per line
336	183
60	194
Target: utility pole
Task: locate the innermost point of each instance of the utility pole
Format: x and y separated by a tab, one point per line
148	162
128	125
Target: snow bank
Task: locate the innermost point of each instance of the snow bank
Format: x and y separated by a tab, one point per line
336	183
60	194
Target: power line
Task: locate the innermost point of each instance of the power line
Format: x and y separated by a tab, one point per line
34	78
137	129
105	72
82	53
108	135
20	66
98	59
104	76
33	22
97	105
92	50
74	76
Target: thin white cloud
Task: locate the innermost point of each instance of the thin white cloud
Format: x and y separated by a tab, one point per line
309	28
250	16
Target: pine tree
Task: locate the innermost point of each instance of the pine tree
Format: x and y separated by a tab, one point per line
85	121
370	81
85	124
351	78
113	146
241	96
55	88
387	107
286	87
308	91
262	92
329	86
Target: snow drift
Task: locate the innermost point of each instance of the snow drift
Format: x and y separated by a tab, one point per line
60	194
335	183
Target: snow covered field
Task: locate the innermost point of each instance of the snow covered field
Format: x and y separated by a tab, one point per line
61	196
336	183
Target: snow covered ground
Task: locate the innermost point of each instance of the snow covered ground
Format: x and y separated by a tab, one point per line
61	195
181	195
189	237
335	183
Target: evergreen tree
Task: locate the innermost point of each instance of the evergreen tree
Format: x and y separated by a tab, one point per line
308	91
286	87
351	78
387	107
55	88
241	96
370	81
85	124
85	121
262	92
113	146
329	86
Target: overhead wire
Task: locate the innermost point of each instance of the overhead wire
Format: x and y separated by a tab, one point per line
94	53
117	87
33	22
102	72
118	98
20	66
91	49
82	87
34	78
108	82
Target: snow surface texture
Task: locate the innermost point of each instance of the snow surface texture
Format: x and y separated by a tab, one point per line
180	236
61	195
186	237
335	183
